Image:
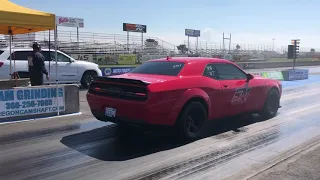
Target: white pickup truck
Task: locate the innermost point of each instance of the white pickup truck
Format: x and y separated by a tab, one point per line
69	69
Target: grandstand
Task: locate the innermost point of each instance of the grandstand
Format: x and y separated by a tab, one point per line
101	43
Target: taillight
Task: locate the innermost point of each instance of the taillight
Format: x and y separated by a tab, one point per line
120	91
96	89
140	94
1	64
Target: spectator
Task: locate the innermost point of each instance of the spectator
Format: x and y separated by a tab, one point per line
36	66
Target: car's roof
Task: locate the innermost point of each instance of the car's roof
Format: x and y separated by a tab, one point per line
193	59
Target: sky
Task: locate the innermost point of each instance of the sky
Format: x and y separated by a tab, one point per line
249	21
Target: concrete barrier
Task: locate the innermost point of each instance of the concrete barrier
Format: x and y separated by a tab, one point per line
270	75
295	74
110	71
150	57
10	83
131	59
23	103
116	70
262	65
285	75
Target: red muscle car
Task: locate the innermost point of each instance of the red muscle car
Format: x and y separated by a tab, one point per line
183	92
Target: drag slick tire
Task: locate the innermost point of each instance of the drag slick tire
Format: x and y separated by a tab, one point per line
271	105
191	122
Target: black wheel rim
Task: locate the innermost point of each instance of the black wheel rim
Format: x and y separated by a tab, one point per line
273	104
194	121
89	79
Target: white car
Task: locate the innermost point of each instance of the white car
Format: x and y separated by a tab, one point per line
69	69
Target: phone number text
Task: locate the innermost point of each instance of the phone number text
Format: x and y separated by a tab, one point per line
29	104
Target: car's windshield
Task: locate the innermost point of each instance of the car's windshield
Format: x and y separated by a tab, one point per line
1	52
167	68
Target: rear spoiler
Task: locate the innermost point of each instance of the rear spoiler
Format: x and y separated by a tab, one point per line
114	80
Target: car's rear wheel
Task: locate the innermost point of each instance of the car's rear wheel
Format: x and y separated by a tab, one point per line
87	79
271	105
190	124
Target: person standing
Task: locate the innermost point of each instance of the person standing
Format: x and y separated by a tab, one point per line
37	67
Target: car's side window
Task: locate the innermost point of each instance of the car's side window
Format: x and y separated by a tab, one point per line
46	55
61	57
52	56
23	55
210	71
20	55
229	72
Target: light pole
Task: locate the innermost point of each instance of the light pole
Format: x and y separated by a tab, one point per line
273	44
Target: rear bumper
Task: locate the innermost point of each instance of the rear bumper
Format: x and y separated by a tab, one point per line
118	120
129	112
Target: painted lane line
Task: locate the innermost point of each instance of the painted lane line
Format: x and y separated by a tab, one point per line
286	88
302	92
299	96
303	109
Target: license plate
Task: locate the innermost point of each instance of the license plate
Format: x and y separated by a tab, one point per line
110	112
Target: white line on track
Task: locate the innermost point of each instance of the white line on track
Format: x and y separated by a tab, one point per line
302	92
303	109
285	88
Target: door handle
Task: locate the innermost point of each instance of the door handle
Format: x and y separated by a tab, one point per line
225	85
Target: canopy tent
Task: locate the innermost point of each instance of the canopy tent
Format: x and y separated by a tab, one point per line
23	20
15	19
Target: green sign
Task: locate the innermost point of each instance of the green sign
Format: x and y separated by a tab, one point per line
273	75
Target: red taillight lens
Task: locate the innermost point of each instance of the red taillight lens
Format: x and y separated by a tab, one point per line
1	64
96	89
140	94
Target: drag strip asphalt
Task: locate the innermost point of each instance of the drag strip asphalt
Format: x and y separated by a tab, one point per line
81	147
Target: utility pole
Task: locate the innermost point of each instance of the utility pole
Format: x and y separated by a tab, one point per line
273	44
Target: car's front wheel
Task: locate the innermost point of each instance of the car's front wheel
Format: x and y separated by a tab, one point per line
87	79
190	124
271	105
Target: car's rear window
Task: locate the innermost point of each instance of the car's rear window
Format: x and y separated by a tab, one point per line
167	68
1	52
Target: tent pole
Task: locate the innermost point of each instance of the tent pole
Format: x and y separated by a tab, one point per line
10	34
78	36
49	51
15	74
56	57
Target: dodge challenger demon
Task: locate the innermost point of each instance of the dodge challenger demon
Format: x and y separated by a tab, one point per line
182	92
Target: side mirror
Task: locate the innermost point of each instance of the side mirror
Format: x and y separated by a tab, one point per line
249	77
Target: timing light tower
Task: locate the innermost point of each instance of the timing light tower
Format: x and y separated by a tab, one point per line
293	51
